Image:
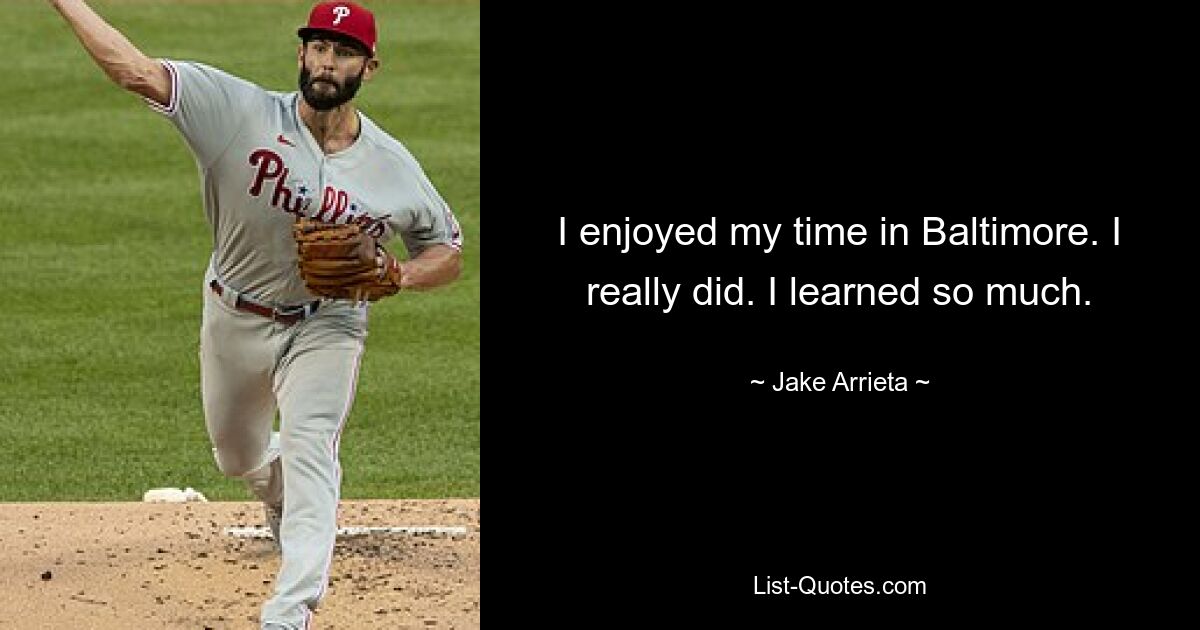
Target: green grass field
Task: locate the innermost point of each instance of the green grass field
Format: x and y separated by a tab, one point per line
103	247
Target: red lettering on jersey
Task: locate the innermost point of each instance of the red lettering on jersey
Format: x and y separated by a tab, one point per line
269	164
327	198
282	191
373	226
334	202
343	201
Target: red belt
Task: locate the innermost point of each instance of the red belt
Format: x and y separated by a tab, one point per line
286	317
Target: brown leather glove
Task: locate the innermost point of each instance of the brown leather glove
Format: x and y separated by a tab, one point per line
344	262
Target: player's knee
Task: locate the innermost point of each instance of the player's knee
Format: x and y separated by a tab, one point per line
235	464
237	457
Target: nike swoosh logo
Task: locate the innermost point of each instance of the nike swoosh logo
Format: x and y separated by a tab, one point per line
285	141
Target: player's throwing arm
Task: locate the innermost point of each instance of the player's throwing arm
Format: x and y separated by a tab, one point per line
127	66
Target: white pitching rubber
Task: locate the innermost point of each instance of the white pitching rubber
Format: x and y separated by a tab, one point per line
350	532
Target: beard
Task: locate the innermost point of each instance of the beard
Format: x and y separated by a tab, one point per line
326	94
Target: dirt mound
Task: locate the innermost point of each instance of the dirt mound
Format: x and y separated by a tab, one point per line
137	565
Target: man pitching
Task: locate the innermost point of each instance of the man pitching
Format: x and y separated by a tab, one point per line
283	328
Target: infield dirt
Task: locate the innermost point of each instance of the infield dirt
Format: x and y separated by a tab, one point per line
139	565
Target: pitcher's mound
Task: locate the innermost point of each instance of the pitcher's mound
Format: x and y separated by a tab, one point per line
138	565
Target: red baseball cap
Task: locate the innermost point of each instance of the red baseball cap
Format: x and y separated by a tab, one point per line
345	18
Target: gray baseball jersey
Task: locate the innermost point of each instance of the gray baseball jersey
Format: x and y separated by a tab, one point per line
261	167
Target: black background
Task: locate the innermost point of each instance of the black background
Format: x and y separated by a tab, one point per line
644	482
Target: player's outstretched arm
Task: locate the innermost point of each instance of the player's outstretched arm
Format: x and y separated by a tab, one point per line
433	267
127	66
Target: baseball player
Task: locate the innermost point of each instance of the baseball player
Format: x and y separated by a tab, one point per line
281	330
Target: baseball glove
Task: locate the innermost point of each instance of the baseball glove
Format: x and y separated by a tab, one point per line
344	262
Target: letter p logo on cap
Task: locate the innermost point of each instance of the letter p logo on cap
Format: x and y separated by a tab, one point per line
345	18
